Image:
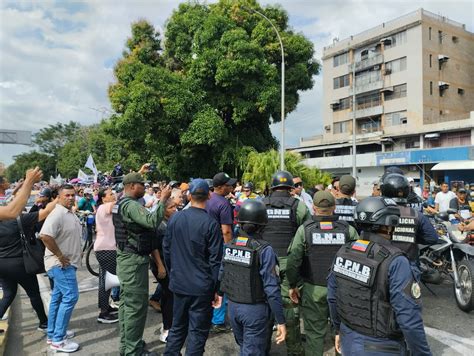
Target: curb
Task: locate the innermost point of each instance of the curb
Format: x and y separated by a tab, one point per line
4	326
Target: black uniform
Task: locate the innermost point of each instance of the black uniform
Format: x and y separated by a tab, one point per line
345	208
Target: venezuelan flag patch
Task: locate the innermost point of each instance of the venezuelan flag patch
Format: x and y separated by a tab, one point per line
360	245
325	225
241	241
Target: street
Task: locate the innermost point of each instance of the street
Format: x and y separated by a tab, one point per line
449	329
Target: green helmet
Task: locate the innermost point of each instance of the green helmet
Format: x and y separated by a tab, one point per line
253	211
282	179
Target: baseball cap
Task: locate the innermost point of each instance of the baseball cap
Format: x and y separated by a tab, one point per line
199	187
45	192
88	191
184	186
323	199
462	190
223	178
133	177
347	184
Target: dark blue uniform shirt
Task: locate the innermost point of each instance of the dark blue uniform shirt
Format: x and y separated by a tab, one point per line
192	249
407	309
425	232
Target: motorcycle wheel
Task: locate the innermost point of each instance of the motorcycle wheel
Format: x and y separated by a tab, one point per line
463	294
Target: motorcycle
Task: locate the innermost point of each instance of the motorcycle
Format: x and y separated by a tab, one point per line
452	256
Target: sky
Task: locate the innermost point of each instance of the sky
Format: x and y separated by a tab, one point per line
57	57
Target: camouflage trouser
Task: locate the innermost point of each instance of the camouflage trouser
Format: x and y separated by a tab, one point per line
294	345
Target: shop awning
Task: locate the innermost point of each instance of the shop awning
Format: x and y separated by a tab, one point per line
453	166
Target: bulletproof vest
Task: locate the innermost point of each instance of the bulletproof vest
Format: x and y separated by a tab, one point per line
130	237
282	222
404	235
241	279
345	208
324	236
414	201
362	296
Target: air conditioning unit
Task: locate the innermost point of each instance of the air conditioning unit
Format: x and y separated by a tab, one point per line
443	85
387	71
442	58
386	40
327	127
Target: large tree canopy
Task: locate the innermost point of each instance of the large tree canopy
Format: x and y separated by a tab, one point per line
210	95
28	160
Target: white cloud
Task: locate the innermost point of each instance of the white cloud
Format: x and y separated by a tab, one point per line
56	57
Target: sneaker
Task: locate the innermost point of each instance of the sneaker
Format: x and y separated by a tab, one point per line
219	328
107	318
64	346
112	310
155	305
69	335
114	304
163	335
43	327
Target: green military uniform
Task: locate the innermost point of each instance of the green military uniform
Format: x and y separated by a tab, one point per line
293	341
314	305
132	272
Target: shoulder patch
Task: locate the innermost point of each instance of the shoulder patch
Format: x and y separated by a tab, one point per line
241	241
360	245
326	225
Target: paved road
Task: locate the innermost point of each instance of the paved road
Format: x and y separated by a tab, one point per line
450	330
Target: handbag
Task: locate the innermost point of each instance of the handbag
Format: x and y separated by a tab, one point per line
33	252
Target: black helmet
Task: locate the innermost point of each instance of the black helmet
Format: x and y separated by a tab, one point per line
253	211
248	185
377	211
395	186
282	179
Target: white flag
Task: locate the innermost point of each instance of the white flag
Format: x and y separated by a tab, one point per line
82	176
91	165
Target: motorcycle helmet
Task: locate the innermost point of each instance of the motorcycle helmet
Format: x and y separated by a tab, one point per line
395	186
210	183
373	212
254	212
248	185
282	179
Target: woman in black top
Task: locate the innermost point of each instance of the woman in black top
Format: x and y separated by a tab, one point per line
12	268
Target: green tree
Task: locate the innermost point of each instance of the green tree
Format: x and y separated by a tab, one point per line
51	139
210	96
261	166
25	161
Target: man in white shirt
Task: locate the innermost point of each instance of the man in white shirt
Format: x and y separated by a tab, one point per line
302	195
443	198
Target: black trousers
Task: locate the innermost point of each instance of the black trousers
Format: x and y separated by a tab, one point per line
107	262
12	273
166	298
192	319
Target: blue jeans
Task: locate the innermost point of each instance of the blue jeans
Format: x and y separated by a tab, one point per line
63	299
218	315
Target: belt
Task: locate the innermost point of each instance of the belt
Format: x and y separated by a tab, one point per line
374	347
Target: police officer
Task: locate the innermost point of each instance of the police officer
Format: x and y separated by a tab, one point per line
285	215
134	235
250	279
310	257
374	299
345	205
413	200
413	228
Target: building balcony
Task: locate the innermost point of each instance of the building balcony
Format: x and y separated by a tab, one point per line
372	111
366	63
366	87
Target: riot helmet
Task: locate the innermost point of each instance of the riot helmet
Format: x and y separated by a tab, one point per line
254	212
395	186
373	212
282	179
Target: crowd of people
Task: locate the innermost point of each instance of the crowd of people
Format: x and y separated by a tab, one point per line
229	259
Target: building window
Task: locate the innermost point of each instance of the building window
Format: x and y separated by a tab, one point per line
342	81
397	39
431	58
368	100
412	142
341	127
455	39
399	91
367	77
368	125
440	37
340	59
429	33
397	65
396	118
460	91
344	104
431	88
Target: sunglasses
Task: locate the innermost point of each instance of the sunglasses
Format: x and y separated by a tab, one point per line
297	185
246	190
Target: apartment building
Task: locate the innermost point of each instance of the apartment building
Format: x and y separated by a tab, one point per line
409	83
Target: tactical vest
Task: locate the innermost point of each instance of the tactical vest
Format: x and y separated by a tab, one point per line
404	235
362	296
324	236
241	279
130	237
282	222
345	208
414	201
